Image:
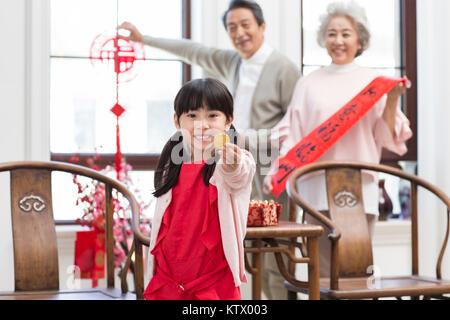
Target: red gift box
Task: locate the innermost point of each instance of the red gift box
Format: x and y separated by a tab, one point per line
263	213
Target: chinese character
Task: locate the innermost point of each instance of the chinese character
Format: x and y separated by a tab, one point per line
347	112
286	168
370	92
326	133
304	151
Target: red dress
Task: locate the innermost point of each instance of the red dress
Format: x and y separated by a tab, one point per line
189	260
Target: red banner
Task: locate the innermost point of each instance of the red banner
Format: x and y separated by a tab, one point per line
316	143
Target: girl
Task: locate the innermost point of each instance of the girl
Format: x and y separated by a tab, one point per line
196	247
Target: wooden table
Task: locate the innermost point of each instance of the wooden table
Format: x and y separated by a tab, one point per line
279	239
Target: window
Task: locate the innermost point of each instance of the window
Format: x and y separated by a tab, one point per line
82	91
392	51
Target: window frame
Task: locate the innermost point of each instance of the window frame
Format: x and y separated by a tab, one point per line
408	18
408	61
139	162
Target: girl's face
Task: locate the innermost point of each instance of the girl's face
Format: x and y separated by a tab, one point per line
200	126
342	41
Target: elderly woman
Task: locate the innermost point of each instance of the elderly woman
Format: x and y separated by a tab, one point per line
345	35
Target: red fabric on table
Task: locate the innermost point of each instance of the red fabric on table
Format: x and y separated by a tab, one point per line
189	260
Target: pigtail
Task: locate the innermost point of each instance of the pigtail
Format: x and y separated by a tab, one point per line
167	170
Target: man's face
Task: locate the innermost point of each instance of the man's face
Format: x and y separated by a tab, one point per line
245	33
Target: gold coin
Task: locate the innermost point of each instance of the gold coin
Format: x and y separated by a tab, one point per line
220	140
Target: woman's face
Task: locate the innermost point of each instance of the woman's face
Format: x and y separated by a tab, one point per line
199	128
342	41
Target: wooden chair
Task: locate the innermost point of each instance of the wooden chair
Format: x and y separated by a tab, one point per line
34	236
351	246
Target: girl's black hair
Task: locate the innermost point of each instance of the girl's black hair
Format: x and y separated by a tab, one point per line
196	94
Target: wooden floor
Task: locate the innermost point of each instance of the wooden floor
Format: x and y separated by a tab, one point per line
86	294
356	287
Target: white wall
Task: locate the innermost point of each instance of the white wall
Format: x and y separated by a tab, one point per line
12	115
12	81
24	108
434	131
24	81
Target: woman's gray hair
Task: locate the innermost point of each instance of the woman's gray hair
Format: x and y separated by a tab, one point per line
355	13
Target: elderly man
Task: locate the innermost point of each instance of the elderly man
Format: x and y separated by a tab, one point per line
261	80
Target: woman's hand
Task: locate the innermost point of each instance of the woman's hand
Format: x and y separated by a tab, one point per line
397	91
267	185
390	110
231	157
134	35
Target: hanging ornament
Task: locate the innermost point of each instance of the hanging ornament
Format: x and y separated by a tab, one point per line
107	48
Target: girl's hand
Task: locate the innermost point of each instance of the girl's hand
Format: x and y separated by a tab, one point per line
231	157
267	185
134	35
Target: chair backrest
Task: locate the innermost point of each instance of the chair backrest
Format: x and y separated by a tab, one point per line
34	236
33	225
347	221
346	210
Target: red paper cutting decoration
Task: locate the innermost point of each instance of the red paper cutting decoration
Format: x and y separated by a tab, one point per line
107	47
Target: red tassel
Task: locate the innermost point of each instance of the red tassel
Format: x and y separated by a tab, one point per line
118	110
118	157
